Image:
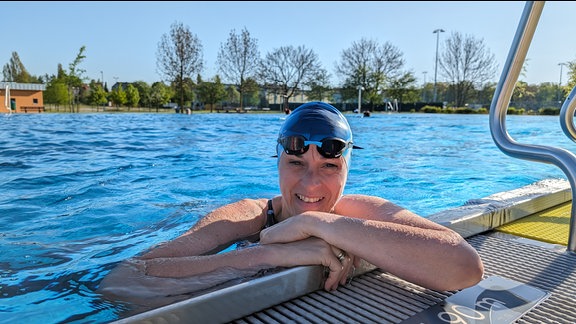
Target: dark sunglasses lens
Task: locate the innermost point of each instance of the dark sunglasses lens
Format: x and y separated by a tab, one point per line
294	145
332	148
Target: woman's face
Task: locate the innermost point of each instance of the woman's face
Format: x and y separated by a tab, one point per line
310	182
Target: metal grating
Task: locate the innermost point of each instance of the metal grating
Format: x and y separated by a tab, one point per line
548	269
377	297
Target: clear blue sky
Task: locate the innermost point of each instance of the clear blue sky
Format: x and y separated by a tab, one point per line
121	38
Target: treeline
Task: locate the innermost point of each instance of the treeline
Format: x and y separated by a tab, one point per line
372	72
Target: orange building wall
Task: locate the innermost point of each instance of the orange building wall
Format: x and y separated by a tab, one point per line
24	98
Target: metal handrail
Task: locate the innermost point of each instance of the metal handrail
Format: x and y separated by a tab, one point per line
564	159
567	115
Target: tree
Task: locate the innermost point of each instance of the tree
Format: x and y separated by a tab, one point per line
232	95
132	96
187	95
288	68
571	78
98	96
370	65
144	92
118	95
467	64
211	92
14	71
319	86
179	56
403	89
159	94
238	60
56	92
74	78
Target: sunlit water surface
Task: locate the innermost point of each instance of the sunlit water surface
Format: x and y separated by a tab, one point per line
80	192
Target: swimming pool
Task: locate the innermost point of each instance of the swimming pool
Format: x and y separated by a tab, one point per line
79	192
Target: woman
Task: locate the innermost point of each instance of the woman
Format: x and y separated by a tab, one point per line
313	223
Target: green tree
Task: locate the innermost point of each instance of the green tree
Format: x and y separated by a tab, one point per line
211	92
144	92
118	96
14	71
74	78
571	78
132	96
188	87
179	56
56	92
232	95
98	96
251	92
160	94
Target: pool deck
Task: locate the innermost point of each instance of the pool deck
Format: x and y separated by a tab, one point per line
521	235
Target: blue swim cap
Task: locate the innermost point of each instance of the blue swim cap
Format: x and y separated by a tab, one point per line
316	121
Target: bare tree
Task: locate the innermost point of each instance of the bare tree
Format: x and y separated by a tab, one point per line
370	65
179	56
467	64
238	60
287	68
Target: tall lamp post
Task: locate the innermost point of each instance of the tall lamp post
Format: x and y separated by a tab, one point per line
437	32
424	87
560	83
360	88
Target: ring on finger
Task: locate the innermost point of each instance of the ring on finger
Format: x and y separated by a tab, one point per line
341	256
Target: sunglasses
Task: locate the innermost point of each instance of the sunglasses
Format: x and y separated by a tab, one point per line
330	148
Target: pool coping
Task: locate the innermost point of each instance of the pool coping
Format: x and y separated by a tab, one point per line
475	217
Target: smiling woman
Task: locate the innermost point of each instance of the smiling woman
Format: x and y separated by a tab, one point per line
315	224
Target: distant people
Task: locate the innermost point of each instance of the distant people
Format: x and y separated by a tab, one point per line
311	222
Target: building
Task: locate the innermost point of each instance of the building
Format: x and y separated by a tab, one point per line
21	97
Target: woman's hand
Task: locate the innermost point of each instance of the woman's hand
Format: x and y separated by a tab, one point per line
314	251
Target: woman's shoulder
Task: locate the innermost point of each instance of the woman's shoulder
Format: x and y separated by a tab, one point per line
360	206
361	199
259	203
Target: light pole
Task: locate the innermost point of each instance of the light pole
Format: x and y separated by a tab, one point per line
437	32
424	87
360	88
560	83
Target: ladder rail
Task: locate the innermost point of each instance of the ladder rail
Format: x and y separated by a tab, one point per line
562	158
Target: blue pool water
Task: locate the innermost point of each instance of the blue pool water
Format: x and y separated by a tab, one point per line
80	192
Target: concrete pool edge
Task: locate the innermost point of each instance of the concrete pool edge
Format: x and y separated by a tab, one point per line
481	215
476	216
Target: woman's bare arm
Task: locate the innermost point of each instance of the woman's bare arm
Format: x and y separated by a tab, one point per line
391	238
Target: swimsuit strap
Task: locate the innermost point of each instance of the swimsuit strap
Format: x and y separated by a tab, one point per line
253	239
270	217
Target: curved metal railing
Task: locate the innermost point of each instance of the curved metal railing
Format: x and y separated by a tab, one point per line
567	115
564	159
